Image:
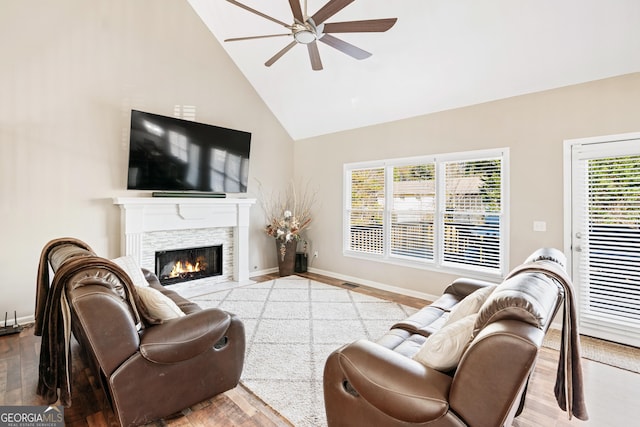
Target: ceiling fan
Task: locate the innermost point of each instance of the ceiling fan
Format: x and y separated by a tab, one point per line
307	30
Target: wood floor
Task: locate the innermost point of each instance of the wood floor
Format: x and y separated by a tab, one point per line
611	393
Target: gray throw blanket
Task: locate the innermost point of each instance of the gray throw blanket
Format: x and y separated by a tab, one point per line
568	388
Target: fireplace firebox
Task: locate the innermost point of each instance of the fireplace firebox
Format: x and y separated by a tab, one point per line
181	265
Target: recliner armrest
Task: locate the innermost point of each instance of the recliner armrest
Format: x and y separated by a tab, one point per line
183	338
396	385
464	286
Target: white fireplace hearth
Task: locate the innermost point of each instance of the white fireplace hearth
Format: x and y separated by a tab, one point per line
150	224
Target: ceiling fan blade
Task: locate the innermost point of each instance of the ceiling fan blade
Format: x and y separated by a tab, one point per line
296	10
330	9
278	55
258	13
314	56
367	26
344	47
255	37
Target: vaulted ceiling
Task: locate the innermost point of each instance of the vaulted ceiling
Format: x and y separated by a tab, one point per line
440	54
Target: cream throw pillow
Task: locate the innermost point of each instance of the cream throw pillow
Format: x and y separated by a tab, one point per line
444	348
470	304
157	304
131	267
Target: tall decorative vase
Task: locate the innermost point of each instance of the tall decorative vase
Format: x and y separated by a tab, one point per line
286	261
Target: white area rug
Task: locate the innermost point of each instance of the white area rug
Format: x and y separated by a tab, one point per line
292	325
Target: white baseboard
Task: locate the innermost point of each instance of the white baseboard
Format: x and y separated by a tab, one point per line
376	285
265	271
370	283
22	321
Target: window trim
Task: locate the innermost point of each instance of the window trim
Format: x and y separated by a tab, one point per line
437	264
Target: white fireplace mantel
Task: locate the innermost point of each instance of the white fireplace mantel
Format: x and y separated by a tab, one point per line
141	215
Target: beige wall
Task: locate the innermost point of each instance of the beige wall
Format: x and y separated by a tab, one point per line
532	126
70	72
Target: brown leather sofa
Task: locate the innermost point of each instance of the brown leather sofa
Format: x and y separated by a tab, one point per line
148	371
379	383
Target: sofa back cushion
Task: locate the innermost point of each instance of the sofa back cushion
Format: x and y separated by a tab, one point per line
62	253
528	297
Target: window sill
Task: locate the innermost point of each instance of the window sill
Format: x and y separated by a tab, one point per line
476	273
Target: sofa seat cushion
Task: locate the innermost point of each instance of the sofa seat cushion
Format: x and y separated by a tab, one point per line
425	321
184	338
393	338
402	342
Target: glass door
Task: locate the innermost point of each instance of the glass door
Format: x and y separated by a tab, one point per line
605	236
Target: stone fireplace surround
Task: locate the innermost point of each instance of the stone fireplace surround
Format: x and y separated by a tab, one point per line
150	224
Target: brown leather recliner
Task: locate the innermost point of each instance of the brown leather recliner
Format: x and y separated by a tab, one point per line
379	383
149	372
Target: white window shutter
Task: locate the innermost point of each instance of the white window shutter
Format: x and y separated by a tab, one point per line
413	211
472	213
366	210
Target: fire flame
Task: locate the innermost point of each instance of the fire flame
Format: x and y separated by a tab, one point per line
186	267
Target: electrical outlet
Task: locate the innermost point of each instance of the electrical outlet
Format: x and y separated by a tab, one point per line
315	254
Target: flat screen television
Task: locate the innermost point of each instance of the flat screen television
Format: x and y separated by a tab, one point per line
168	154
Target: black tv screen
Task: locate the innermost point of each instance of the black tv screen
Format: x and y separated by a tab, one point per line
170	154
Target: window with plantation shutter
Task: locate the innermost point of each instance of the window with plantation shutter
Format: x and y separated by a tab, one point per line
606	238
412	211
472	213
366	210
444	211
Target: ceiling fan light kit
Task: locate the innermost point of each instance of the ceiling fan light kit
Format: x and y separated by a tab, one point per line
305	34
307	30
